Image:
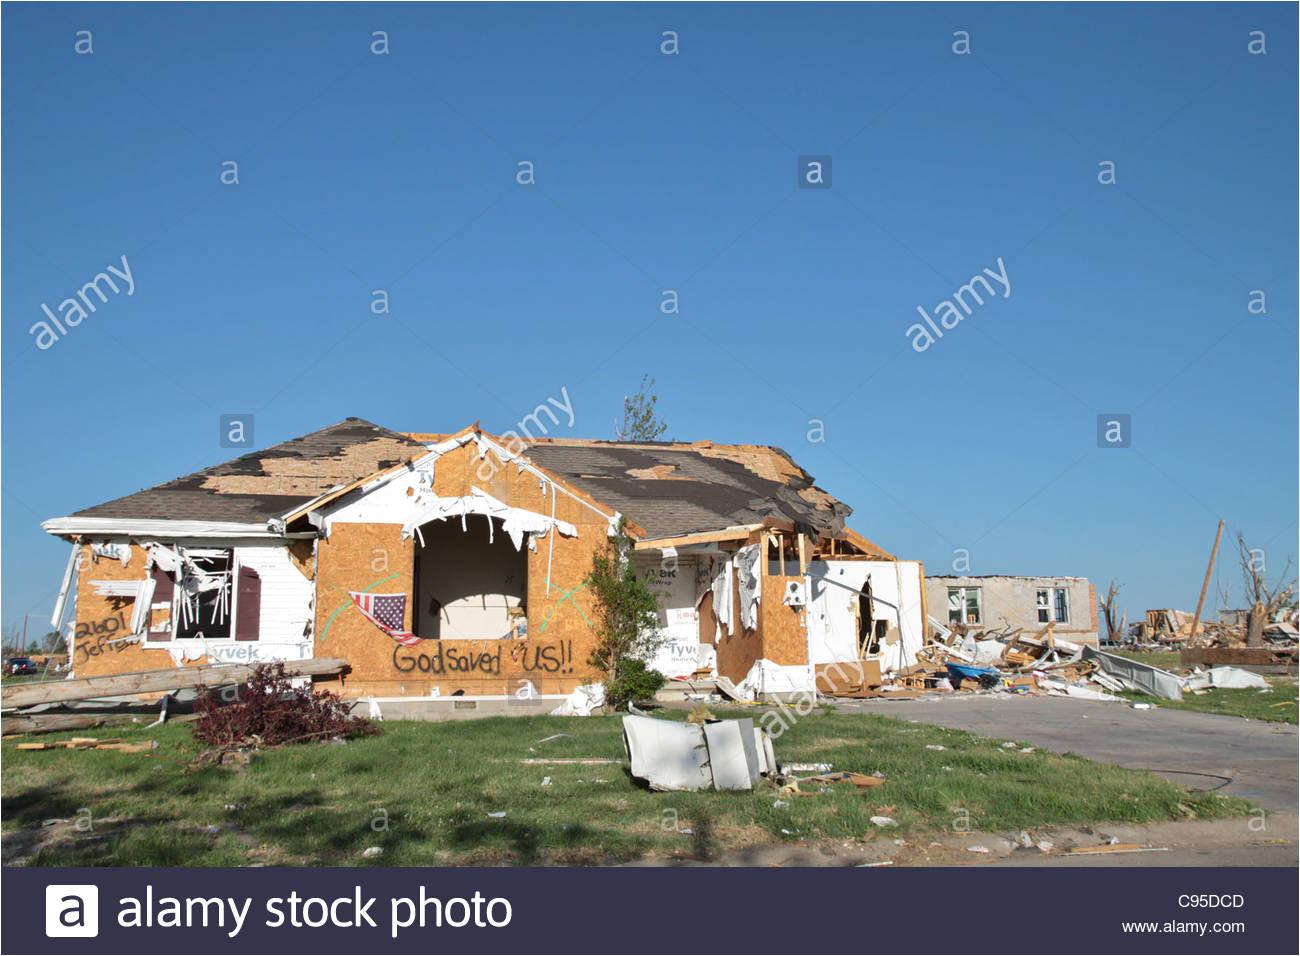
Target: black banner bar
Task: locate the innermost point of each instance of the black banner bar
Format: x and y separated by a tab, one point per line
713	910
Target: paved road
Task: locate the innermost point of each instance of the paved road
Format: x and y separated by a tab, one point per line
1249	758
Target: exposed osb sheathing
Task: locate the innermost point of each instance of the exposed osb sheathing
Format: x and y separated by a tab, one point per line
302	554
554	656
784	635
102	620
362	557
738	652
657	473
299	476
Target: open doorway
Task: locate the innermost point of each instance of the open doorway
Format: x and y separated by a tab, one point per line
470	584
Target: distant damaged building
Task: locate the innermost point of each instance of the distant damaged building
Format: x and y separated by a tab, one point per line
1004	601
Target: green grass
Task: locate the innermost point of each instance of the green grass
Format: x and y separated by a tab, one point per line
423	792
1278	706
25	678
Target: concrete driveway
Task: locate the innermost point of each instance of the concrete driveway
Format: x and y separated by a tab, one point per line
1249	758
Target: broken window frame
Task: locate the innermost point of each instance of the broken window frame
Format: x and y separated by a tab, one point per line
230	598
1053	605
964	608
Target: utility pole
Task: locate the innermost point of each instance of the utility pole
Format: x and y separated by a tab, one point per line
1196	620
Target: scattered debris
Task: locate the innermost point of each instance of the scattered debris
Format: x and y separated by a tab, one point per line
582	702
371	852
497	815
1116	847
859	780
1226	677
963	658
884	821
93	743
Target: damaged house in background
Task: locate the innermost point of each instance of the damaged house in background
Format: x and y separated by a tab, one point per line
1005	602
444	565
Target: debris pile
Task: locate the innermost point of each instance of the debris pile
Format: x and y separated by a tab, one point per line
1166	628
965	659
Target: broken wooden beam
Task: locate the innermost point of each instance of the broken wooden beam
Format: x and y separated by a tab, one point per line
143	682
53	723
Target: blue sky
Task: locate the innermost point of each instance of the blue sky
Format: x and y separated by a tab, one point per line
360	172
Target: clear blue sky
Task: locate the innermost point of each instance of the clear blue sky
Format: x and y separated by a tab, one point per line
360	172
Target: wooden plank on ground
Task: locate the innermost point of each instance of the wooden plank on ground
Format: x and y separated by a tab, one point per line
142	682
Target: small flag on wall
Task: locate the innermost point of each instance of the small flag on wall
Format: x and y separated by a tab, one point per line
387	611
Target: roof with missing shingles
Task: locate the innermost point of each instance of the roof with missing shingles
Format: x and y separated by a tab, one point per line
268	483
675	488
668	488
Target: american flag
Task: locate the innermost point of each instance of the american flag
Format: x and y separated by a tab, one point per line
387	611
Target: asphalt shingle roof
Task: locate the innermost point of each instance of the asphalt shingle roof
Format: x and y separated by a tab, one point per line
271	482
668	488
673	489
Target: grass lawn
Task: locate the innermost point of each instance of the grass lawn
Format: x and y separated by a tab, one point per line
1279	706
424	791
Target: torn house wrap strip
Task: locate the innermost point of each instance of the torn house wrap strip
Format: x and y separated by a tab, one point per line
516	522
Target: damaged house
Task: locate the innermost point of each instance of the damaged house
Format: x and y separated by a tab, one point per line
455	565
1009	602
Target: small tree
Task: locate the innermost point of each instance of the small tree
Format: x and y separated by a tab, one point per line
627	619
1265	601
640	421
13	639
1109	611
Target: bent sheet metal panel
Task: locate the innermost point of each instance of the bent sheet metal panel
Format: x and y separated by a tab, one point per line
666	754
1150	679
722	755
733	755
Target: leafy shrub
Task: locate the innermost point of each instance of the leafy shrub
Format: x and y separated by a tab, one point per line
636	680
270	710
627	617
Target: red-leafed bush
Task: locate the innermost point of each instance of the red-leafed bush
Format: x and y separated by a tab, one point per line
270	710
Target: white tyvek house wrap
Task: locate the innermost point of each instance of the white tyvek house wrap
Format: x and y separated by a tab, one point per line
832	620
749	583
671	578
